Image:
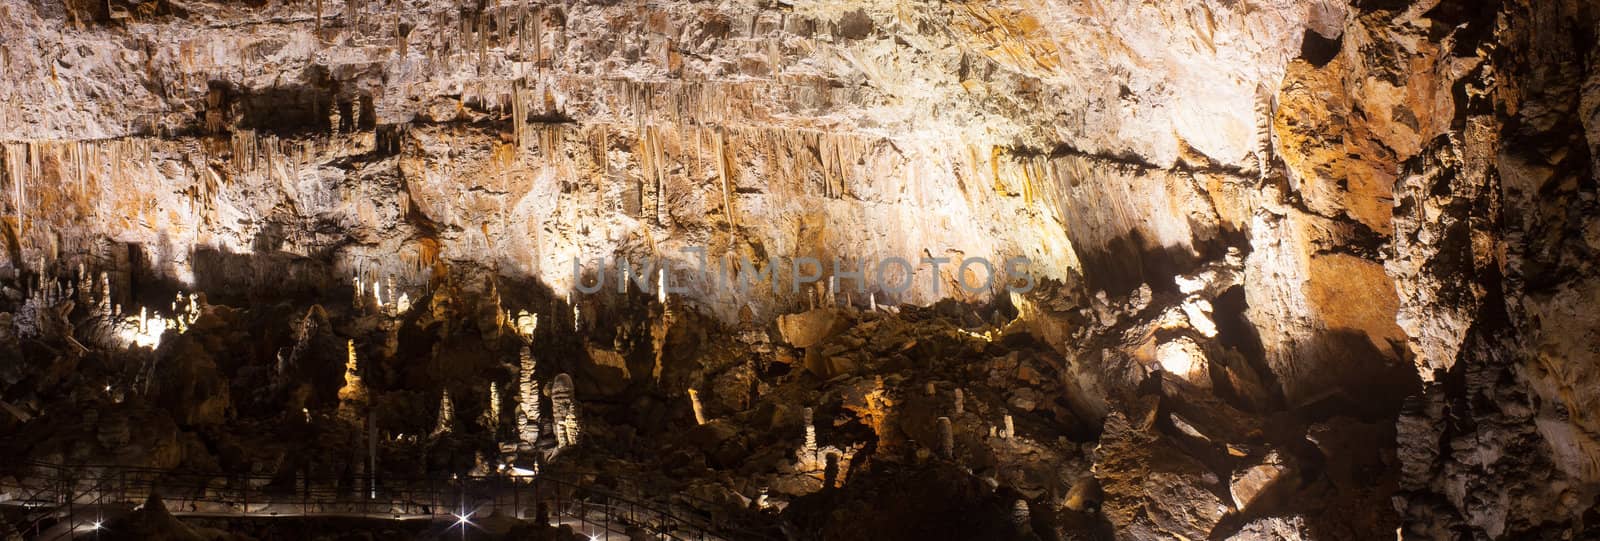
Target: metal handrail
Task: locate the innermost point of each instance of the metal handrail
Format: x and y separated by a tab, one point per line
60	487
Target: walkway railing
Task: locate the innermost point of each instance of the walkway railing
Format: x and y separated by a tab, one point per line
59	493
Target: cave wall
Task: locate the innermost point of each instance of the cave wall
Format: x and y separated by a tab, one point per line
1410	185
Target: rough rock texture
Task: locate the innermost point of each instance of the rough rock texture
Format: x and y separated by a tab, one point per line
1302	269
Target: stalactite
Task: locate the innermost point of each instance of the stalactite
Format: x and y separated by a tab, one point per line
519	113
724	170
1263	135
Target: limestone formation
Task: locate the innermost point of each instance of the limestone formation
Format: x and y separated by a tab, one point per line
353	395
526	324
1020	514
529	417
490	420
1295	269
446	422
564	411
699	409
808	449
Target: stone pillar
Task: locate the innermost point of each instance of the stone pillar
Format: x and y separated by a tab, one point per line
528	412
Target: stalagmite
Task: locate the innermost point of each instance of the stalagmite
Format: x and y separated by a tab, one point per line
104	307
491	414
389	294
930	389
699	409
528	417
353	395
1020	514
947	438
961	398
570	424
809	450
1011	429
333	118
447	416
84	287
565	410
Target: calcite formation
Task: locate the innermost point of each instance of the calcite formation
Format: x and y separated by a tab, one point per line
1296	269
529	416
564	411
446	421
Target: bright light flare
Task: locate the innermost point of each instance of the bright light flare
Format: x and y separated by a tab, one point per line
463	519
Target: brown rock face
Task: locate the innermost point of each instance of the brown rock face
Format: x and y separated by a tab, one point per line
1296	269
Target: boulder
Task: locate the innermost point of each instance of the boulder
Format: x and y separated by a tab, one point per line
811	327
1250	481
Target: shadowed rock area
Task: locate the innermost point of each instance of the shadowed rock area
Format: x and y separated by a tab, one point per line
799	269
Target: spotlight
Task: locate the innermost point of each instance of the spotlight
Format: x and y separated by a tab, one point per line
97	525
463	519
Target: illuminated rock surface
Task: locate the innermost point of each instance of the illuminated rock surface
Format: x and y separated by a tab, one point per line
1300	269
